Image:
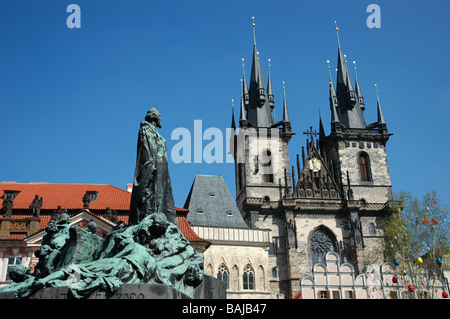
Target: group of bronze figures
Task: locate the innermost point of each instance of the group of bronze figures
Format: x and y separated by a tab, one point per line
151	249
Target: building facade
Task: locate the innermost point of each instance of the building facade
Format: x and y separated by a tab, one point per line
238	254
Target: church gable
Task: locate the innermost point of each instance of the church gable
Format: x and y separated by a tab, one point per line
315	179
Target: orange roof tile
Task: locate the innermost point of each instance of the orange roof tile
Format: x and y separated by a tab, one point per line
67	195
186	229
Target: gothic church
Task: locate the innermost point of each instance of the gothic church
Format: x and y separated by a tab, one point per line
332	199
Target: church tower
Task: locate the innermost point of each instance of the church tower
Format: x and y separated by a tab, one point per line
261	153
262	167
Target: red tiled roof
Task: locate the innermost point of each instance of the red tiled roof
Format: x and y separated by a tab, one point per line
14	236
70	196
67	195
186	229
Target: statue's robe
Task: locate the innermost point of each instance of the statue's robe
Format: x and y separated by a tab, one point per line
152	189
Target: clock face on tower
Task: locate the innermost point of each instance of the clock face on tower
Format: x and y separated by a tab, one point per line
314	164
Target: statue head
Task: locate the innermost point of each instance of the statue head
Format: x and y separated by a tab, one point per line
154	116
91	227
158	225
43	251
18	273
51	227
64	219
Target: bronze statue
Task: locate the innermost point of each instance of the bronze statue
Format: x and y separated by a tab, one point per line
152	190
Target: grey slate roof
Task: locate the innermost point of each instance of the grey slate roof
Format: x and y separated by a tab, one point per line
210	203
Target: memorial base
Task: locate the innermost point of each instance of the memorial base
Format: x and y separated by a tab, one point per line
210	288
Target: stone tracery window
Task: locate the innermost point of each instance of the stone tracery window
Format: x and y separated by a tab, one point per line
248	278
223	274
321	243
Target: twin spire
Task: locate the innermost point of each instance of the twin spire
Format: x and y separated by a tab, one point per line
257	100
347	101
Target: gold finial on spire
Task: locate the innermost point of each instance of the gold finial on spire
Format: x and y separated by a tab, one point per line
337	33
232	102
253	22
243	65
329	69
354	67
269	62
376	89
284	86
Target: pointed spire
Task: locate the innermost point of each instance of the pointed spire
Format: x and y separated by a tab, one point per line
380	113
285	108
270	91
333	96
245	86
321	129
254	35
358	90
258	110
233	123
334	116
341	75
233	137
348	107
242	116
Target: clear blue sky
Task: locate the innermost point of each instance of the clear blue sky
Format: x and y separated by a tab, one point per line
72	99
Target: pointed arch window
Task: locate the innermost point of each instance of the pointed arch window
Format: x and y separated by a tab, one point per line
322	242
364	167
223	274
248	278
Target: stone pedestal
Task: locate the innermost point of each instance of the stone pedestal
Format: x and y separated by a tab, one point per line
210	288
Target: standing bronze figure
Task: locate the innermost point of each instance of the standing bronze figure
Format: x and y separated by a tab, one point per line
152	190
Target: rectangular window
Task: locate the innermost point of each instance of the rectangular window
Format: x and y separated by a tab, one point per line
336	294
349	294
323	294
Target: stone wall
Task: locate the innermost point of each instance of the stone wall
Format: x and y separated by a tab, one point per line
234	249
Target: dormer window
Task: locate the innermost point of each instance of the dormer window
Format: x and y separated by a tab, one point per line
92	195
10	194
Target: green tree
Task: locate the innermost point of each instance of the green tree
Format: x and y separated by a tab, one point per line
416	242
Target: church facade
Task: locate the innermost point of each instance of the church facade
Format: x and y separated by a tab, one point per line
332	199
